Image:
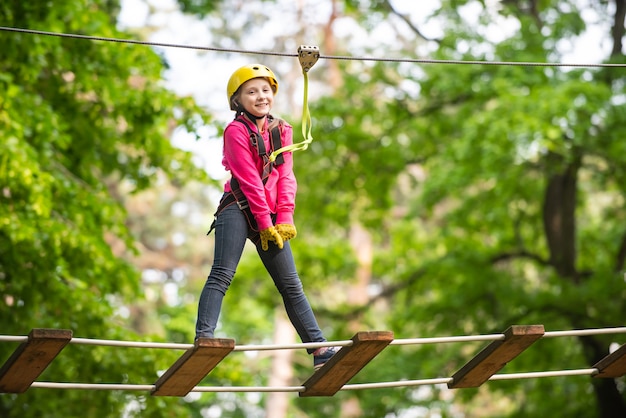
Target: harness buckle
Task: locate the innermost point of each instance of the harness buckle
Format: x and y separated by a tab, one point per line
308	56
243	204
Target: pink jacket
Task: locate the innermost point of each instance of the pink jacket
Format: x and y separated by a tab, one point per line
278	194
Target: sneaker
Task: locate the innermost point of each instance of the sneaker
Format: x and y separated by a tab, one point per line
322	355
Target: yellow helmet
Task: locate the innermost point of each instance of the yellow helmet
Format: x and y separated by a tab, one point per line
248	72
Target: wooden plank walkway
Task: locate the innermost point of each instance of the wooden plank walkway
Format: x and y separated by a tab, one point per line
348	361
31	358
193	366
613	365
496	355
42	346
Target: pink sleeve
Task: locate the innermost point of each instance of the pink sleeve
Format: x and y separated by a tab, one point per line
287	184
240	158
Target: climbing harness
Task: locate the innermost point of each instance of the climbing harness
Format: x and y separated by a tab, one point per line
236	195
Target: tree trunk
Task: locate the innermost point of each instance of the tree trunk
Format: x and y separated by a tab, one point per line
277	405
610	401
617	31
334	77
559	211
559	215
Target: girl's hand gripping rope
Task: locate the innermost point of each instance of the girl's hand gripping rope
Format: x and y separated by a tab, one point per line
270	234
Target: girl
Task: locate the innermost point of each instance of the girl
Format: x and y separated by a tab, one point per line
257	204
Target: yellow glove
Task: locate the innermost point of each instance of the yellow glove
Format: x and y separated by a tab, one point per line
286	231
270	234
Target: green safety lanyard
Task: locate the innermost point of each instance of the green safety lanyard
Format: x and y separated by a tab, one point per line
308	56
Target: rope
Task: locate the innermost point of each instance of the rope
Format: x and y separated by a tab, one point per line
533	375
437	340
328	57
356	386
269	347
398	384
90	386
132	344
306	126
583	332
308	56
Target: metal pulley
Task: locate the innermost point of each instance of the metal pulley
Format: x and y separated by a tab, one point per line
308	56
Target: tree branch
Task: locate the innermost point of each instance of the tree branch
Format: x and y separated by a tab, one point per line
506	256
407	20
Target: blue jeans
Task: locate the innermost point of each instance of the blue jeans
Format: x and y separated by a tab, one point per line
231	230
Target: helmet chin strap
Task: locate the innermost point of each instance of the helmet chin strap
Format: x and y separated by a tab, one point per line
252	117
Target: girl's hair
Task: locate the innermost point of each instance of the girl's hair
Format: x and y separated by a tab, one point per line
234	104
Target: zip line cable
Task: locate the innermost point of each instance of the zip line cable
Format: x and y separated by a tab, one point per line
327	57
138	42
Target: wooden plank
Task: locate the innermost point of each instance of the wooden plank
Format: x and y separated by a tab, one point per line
613	365
193	366
348	361
31	358
496	355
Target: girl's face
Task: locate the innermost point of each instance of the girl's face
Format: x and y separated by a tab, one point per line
257	96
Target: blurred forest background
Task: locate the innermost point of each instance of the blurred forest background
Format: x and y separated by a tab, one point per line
435	200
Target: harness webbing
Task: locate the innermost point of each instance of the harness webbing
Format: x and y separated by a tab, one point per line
257	142
236	195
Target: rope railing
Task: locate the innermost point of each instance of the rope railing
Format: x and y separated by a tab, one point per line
338	343
355	386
